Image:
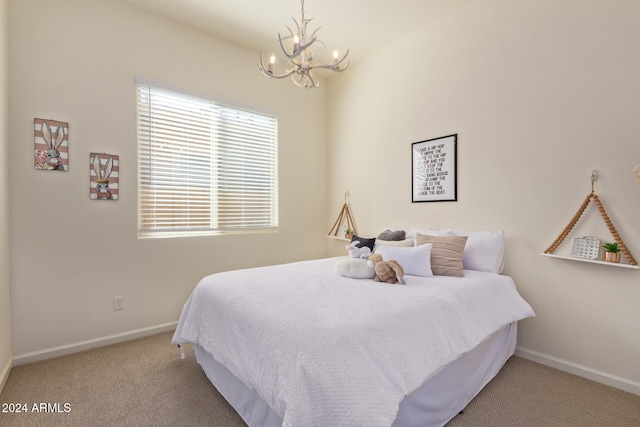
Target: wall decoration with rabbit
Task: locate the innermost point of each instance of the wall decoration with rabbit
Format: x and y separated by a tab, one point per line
104	176
51	145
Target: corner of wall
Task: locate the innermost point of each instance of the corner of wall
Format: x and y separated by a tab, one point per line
5	305
4	374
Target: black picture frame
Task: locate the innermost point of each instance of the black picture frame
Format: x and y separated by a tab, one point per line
434	170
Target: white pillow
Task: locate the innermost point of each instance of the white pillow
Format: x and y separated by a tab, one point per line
484	250
406	243
416	260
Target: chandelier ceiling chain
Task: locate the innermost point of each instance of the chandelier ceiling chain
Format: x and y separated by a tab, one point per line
300	56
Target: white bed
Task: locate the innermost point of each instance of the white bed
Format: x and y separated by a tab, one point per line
299	345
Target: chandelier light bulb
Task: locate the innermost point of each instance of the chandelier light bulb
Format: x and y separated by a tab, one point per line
272	61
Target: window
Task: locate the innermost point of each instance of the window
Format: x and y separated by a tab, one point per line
203	167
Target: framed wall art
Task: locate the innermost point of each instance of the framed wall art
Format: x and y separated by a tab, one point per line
104	173
51	145
434	170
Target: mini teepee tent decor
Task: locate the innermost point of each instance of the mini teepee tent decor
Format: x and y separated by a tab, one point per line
345	218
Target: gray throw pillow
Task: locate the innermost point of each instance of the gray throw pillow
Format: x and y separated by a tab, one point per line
392	235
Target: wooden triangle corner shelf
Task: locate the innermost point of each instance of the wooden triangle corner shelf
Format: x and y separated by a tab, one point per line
612	229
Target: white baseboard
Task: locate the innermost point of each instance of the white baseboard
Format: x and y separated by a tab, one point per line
50	353
544	359
579	370
4	374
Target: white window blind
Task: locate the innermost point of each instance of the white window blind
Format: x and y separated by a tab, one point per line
203	166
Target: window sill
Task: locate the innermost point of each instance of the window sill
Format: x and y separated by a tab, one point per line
170	234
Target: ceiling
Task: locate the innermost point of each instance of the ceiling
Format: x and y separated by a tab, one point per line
358	25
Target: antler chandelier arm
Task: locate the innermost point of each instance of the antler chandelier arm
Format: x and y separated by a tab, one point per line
269	73
313	35
336	64
298	48
304	80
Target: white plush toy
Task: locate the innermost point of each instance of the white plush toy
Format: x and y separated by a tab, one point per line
356	252
356	268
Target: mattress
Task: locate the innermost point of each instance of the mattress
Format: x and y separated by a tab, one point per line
322	349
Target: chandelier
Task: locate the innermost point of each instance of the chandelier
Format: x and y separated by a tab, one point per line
300	56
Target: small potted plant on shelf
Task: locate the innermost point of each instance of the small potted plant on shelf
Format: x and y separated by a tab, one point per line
611	252
348	233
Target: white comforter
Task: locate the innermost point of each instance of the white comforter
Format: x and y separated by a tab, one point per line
326	350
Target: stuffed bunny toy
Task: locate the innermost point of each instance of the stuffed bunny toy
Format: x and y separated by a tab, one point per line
386	271
356	252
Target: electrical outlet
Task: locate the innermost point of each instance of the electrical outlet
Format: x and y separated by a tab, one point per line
118	303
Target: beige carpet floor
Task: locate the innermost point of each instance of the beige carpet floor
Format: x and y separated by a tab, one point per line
144	383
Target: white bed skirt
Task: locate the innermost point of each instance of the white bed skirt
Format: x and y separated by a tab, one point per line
436	402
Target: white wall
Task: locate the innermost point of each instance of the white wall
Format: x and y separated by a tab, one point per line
540	92
76	61
5	305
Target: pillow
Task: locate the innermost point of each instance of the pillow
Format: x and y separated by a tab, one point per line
413	232
364	241
406	243
392	235
356	268
416	260
446	253
484	250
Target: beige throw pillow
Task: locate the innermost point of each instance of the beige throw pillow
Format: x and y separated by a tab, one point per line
446	253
